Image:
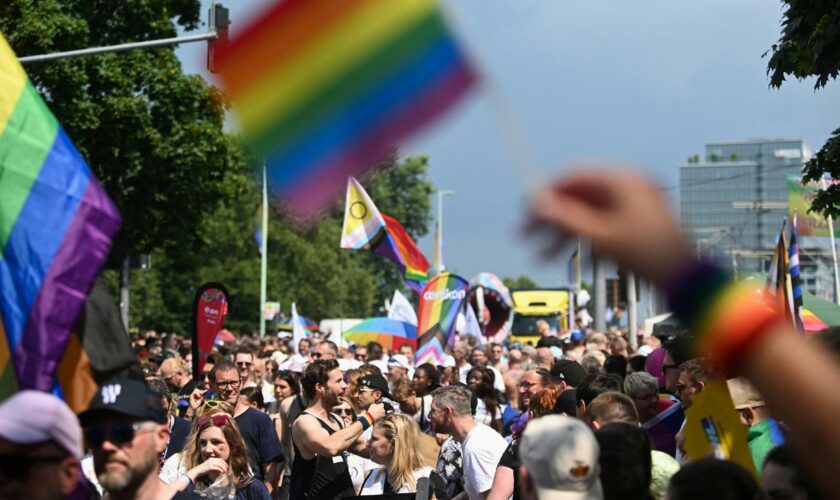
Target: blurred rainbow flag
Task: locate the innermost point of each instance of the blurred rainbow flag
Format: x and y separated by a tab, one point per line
440	301
325	90
56	227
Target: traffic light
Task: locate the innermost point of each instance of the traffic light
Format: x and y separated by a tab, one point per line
219	21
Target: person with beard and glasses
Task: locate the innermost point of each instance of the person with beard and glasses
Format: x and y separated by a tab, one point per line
264	450
320	439
126	429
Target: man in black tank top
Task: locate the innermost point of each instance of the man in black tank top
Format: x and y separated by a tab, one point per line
320	470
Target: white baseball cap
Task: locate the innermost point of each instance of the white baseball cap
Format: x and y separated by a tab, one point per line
561	455
33	417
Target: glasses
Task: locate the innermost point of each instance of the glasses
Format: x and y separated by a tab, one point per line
315	355
213	404
218	420
243	363
17	467
527	385
361	357
118	434
233	384
344	411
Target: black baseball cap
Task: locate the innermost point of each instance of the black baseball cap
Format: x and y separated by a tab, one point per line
570	371
376	382
126	397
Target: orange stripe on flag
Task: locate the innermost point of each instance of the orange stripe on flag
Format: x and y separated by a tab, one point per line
75	376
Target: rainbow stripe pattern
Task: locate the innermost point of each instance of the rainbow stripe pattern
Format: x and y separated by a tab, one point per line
325	90
56	227
440	302
390	333
398	246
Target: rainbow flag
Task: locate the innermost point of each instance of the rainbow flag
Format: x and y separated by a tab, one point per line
324	90
440	302
398	246
56	227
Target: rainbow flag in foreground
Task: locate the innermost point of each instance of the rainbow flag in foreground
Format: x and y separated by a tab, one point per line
56	227
440	302
325	90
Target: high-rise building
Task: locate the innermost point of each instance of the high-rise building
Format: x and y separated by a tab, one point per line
733	203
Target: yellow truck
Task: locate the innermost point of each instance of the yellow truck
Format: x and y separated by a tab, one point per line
529	306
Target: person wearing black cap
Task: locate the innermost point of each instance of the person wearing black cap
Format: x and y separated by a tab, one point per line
126	428
569	371
372	389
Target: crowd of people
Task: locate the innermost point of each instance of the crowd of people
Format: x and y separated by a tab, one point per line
580	414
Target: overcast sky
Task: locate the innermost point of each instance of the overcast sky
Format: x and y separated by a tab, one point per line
647	82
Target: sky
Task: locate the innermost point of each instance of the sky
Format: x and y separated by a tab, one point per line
647	83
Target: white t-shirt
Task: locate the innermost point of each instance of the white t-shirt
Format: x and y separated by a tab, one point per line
481	451
498	381
483	416
422	415
375	482
462	373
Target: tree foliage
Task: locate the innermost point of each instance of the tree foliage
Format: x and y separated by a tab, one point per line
809	46
152	134
305	264
522	282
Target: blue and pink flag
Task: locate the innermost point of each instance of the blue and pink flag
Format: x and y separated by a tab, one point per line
56	228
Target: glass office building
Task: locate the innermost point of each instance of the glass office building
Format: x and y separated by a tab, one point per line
733	203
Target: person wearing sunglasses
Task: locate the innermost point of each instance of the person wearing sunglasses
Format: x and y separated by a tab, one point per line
40	447
126	428
217	461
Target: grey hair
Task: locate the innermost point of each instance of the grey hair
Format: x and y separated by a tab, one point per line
640	383
454	396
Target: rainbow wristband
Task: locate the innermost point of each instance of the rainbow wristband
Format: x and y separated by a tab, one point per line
366	419
725	318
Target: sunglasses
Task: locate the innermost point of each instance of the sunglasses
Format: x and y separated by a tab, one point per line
315	355
361	357
213	404
344	411
243	363
218	420
17	467
119	434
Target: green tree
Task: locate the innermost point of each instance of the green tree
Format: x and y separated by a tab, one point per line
522	282
305	264
809	46
152	134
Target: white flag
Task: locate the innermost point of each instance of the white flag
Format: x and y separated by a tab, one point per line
471	326
401	309
298	333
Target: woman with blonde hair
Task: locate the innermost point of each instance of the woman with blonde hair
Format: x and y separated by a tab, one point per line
393	445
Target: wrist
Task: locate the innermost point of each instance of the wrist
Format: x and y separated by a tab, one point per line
366	419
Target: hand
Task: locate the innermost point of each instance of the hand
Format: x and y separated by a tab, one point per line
377	410
622	214
196	398
213	465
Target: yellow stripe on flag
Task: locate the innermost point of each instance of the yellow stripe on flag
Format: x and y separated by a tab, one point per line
280	90
12	82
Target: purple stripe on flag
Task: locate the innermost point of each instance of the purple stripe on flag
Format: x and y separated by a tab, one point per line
64	289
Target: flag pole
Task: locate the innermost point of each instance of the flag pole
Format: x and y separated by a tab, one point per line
263	253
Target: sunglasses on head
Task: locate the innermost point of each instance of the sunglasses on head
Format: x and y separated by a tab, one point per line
18	467
119	434
217	420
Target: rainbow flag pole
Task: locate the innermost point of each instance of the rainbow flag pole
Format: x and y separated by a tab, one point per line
263	253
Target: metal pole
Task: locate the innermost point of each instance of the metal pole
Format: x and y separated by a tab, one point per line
600	280
264	253
632	317
833	252
125	284
439	250
212	35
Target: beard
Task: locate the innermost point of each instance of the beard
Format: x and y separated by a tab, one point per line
133	475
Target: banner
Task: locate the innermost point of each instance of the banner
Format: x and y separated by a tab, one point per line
209	311
440	302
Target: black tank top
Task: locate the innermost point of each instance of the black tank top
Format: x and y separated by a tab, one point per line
321	478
